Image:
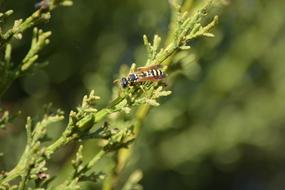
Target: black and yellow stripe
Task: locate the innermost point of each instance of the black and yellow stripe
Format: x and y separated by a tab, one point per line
157	73
152	73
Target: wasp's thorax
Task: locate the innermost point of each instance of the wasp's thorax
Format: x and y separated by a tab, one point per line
129	80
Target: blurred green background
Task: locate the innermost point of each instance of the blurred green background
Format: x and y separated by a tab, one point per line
223	125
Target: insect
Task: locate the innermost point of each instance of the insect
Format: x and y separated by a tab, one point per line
150	73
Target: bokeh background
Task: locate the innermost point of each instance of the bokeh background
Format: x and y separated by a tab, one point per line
223	127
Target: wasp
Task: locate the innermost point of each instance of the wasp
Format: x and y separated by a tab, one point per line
150	73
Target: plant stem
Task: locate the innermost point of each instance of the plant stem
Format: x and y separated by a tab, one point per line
96	158
99	116
18	170
29	22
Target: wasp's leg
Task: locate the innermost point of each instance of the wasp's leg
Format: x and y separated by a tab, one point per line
163	83
141	86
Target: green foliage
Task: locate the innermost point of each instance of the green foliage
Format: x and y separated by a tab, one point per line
9	72
5	118
85	123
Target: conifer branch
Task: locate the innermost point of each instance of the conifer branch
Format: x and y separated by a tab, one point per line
10	72
185	29
83	123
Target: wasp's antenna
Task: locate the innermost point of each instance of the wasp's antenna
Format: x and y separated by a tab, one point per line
116	81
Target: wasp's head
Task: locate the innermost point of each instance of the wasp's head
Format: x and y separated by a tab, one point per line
124	82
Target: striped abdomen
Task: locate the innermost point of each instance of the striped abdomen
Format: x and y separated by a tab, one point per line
153	73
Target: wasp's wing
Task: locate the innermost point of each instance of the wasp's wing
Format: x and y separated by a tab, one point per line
142	69
145	79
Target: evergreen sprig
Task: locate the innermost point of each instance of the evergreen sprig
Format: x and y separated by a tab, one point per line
184	28
10	71
6	117
85	122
